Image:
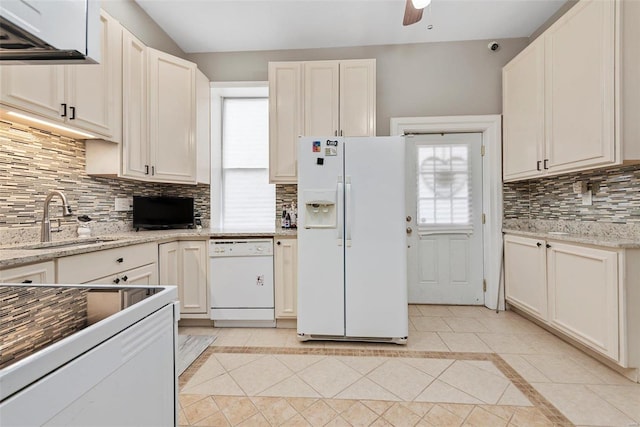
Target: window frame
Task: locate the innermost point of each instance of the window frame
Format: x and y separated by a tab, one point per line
219	91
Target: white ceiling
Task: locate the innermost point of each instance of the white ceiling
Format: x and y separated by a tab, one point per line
243	25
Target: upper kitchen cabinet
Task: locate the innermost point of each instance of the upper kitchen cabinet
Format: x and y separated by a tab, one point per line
86	97
285	120
523	109
570	98
339	98
159	120
203	127
317	98
172	118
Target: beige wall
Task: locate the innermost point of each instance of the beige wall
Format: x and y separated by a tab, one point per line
136	20
423	79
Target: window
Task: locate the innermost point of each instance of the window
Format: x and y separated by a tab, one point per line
444	187
242	198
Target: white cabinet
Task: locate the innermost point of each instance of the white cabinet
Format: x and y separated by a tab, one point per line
339	98
159	120
525	274
43	272
317	98
285	120
87	96
570	97
172	118
586	293
583	295
579	87
203	128
135	149
523	111
285	260
184	264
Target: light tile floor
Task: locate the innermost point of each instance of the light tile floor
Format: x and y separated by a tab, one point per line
461	366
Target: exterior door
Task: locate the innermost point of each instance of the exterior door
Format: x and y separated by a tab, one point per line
444	219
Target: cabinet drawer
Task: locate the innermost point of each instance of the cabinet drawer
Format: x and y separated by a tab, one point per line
86	267
35	273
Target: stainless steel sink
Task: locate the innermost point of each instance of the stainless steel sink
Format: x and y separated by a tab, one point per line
63	244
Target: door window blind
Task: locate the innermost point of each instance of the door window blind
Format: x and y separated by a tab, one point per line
444	187
248	200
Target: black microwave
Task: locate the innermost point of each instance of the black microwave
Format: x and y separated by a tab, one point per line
162	212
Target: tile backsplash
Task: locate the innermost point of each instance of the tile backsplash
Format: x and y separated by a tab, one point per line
33	162
32	318
617	200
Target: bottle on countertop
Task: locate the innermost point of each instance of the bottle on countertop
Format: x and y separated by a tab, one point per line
287	220
283	216
294	216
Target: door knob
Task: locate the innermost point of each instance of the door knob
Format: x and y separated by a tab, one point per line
408	218
409	230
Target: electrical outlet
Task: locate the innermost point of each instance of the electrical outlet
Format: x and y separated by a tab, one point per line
587	198
124	204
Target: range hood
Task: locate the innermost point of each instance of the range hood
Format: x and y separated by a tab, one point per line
49	31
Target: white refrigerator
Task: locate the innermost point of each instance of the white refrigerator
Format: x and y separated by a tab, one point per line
352	246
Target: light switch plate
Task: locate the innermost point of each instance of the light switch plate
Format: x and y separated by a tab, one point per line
124	204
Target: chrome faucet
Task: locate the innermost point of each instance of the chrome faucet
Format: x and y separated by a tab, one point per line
45	235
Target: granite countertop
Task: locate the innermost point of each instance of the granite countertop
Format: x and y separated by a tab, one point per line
13	255
617	236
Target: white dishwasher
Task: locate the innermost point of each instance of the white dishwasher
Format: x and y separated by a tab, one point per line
242	282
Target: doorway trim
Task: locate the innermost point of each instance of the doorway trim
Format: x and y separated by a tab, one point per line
491	128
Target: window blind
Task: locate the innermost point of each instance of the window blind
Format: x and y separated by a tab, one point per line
444	187
248	200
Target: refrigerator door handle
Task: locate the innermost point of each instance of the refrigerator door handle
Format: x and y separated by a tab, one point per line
347	202
340	214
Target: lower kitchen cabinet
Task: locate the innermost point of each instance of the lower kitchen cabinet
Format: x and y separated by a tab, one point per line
583	295
184	264
586	293
285	261
525	272
146	275
43	272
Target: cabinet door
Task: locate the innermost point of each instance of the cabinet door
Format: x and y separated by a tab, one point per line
43	272
579	87
135	140
321	92
172	118
143	276
583	295
286	278
193	277
184	264
358	97
203	127
523	113
168	258
95	90
525	274
285	120
37	89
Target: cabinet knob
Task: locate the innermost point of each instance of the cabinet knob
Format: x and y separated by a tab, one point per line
546	163
27	281
125	278
538	244
64	110
408	218
548	246
120	260
538	163
116	280
73	113
278	243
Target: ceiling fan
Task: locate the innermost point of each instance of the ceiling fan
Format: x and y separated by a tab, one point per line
413	11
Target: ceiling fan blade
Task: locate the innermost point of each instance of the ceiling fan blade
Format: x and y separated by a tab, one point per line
411	14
